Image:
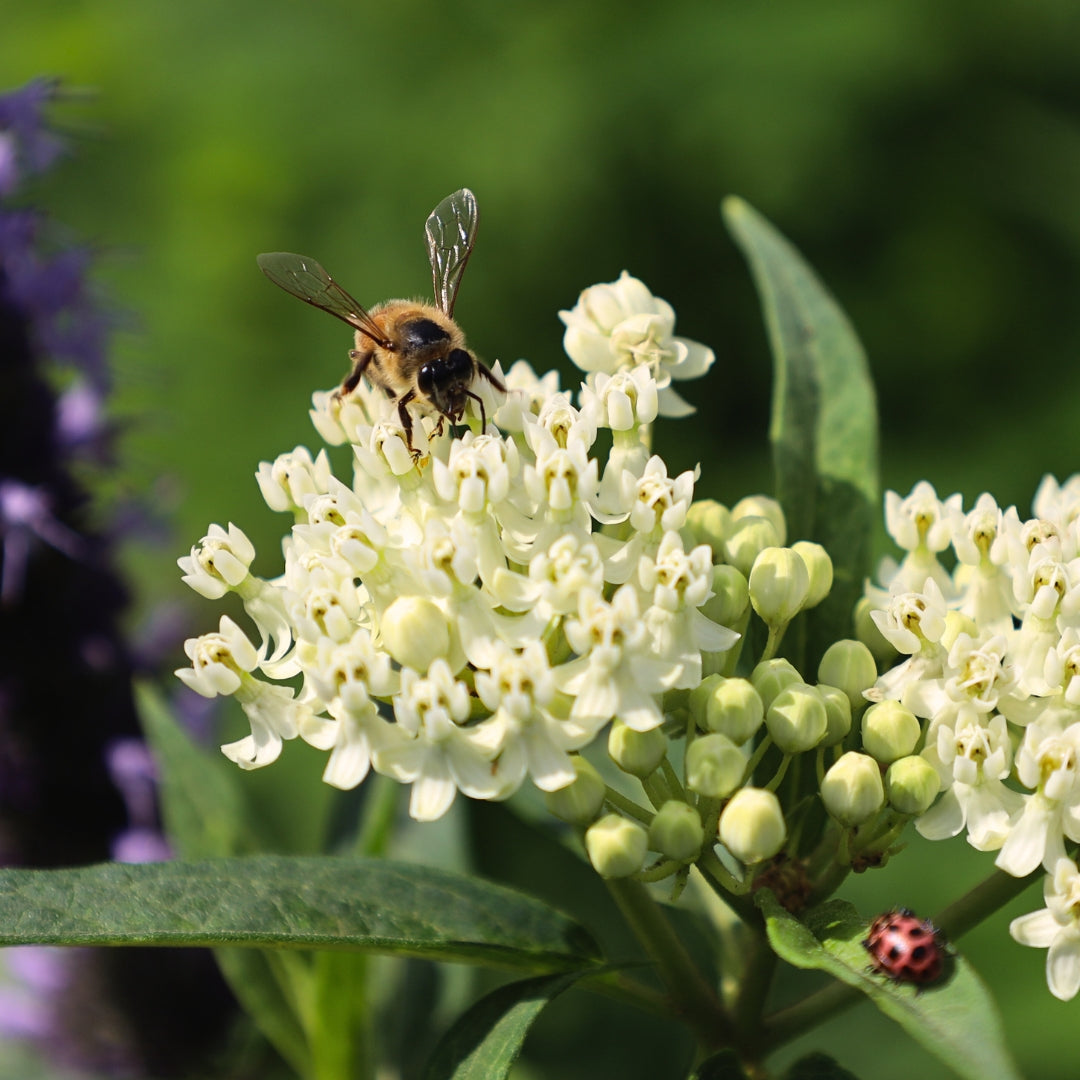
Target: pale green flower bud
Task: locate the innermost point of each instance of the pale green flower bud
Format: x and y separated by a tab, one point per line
732	707
772	676
709	522
849	665
852	790
616	846
752	825
636	752
889	731
749	537
838	714
580	801
956	623
866	630
676	831
731	596
714	766
415	632
797	719
912	784
779	585
820	568
762	506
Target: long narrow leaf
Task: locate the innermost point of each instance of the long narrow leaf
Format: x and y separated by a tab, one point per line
824	428
298	902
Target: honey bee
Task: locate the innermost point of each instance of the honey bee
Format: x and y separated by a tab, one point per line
412	350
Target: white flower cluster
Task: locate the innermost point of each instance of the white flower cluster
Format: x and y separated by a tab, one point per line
992	650
468	612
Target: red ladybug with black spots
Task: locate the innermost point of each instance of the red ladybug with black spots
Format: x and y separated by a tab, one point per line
906	948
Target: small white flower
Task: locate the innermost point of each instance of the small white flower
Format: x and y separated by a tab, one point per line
218	661
620	325
921	524
622	401
1057	928
291	478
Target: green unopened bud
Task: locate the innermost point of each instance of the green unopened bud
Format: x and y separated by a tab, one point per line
838	714
714	766
797	719
415	631
852	790
866	630
616	846
889	731
779	585
849	665
709	522
752	825
912	784
957	623
676	832
762	506
734	708
580	801
819	567
772	676
636	752
731	596
749	537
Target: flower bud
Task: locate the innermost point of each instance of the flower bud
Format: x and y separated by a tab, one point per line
636	752
748	538
714	766
779	585
912	784
849	665
837	712
889	731
580	801
797	719
765	507
415	632
616	846
676	831
732	707
709	522
866	630
731	596
772	676
957	623
820	568
852	790
752	825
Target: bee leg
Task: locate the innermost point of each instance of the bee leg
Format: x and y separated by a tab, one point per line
360	359
407	421
483	411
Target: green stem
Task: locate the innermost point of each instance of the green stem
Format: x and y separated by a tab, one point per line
690	996
755	981
991	894
787	1024
673	782
628	806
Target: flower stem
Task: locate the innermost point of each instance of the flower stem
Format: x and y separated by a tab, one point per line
689	995
628	806
979	903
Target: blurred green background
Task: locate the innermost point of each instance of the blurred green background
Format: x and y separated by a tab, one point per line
925	157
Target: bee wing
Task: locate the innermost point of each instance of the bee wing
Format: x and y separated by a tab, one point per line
451	233
305	279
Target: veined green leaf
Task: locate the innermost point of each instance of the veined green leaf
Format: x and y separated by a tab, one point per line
290	901
486	1040
824	429
956	1019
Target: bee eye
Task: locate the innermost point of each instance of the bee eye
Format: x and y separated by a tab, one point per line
458	364
425	378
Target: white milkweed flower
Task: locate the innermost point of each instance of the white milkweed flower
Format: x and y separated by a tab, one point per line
621	325
1057	928
465	611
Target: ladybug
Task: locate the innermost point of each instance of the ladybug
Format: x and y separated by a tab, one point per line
906	948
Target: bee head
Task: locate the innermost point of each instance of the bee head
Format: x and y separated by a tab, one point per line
445	382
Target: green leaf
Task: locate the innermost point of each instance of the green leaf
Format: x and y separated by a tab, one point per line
956	1019
291	901
486	1040
824	416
